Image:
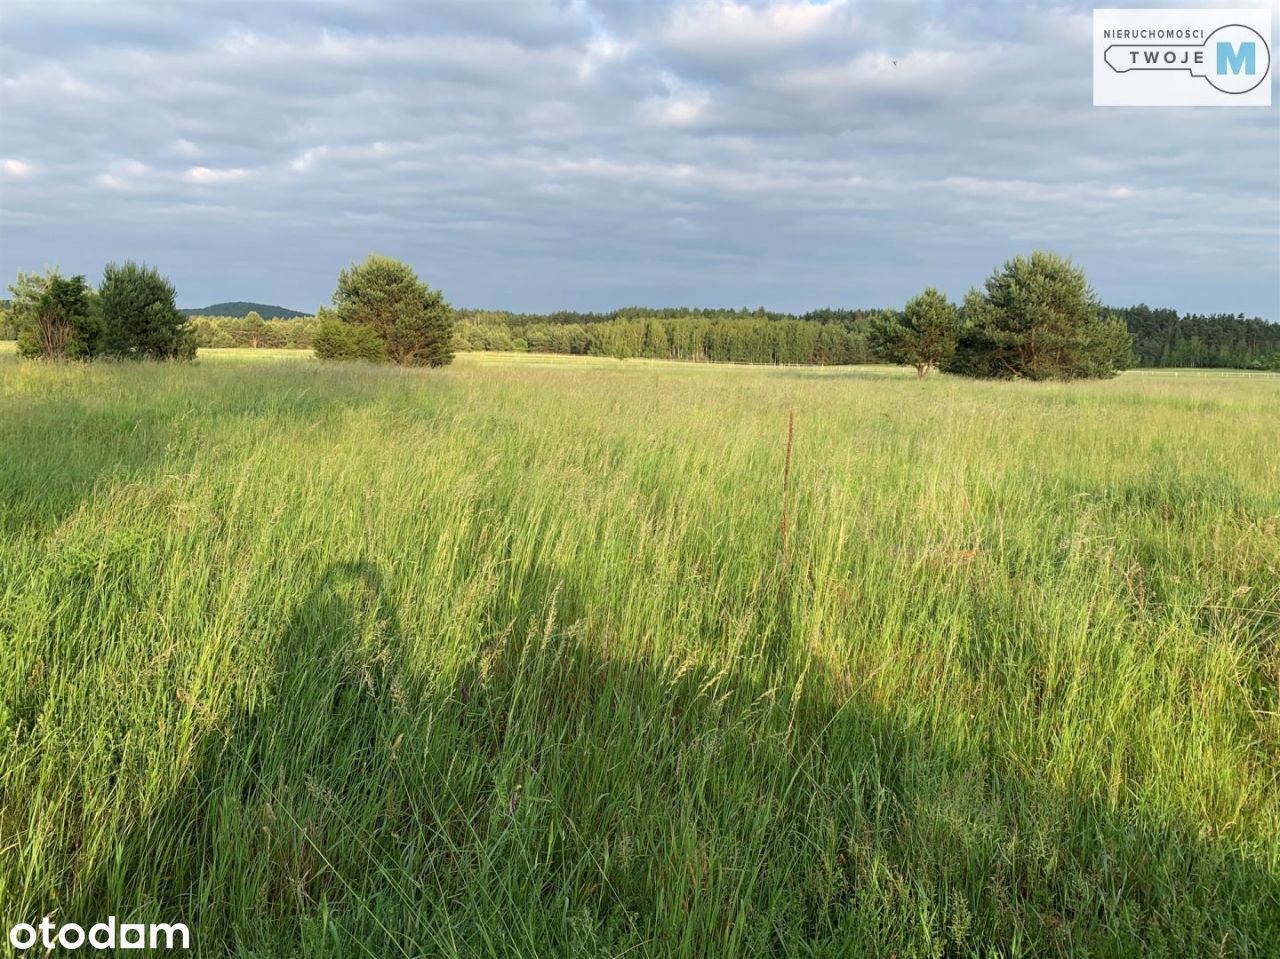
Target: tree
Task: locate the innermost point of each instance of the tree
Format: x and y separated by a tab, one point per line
384	298
255	328
139	317
924	335
57	316
1038	319
976	354
336	340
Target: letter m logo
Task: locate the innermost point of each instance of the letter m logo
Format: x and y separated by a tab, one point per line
1232	59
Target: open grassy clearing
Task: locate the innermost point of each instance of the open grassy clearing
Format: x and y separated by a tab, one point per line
506	659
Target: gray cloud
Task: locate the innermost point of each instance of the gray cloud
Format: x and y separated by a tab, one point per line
538	155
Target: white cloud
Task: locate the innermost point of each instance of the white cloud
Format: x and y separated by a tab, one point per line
305	160
207	175
240	42
18	169
678	111
49	77
682	106
601	51
739	26
122	175
182	147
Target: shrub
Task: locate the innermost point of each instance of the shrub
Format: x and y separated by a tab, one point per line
385	305
57	317
336	340
139	317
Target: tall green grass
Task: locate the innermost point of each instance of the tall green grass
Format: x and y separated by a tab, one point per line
504	660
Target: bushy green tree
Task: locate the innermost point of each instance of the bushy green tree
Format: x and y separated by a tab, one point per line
336	340
255	328
1038	319
924	335
139	317
57	316
976	354
384	298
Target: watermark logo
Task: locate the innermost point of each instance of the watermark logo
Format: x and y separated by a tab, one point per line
44	936
1170	57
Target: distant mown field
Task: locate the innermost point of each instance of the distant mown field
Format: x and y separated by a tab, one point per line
510	659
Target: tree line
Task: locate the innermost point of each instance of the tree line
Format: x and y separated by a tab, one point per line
710	338
1035	317
1162	337
251	330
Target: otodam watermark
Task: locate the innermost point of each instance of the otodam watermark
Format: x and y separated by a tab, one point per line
44	936
1177	57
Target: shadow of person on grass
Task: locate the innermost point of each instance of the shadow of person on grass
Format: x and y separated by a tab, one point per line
290	796
549	796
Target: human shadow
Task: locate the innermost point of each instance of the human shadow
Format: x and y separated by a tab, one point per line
292	796
554	793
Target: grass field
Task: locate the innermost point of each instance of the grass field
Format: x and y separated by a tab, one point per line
509	659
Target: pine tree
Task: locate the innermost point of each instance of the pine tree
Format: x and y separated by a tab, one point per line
923	336
139	317
383	300
1038	319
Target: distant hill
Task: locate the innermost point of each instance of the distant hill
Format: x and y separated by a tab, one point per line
238	308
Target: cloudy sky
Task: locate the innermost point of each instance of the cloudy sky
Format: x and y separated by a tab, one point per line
541	154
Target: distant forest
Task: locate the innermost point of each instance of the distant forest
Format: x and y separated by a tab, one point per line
1161	337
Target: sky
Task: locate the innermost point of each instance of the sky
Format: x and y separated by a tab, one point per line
590	154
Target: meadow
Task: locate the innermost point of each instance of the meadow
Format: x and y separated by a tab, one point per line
536	656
